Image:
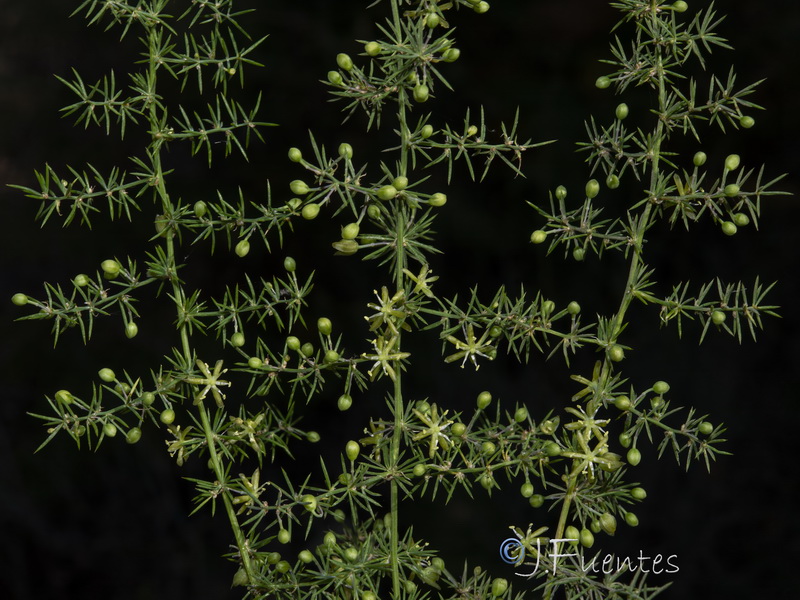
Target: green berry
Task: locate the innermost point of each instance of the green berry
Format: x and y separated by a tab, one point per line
372	48
487	481
387	192
638	493
699	159
484	399
622	111
293	343
561	192
458	429
586	538
438	199
294	203
344	402
324	326
295	155
426	132
299	187
352	449
134	435
107	375
551	448
631	519
344	61
432	20
728	228
451	55
313	437
732	162
612	182
200	209
131	330
731	190
741	219
573	308
521	414
237	339
747	122
289	264
679	6
148	398
481	7
273	558
400	183
660	387
578	254
718	317
306	557
167	416
572	534
616	353
254	362
242	248
331	356
310	502
608	523
526	490
536	500
19	299
602	82
634	456
310	211
81	280
622	402
335	77
307	349
110	267
109	429
488	448
592	188
64	397
499	586
705	428
538	236
350	231
421	92
346	151
283	566
419	470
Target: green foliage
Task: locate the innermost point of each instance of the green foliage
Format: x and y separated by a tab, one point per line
239	408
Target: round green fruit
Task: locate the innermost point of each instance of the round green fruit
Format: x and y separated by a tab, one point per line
622	111
237	339
484	399
134	435
499	586
295	155
107	375
167	416
344	402
438	199
660	387
699	159
289	264
352	449
602	82
242	248
344	61
616	353
372	48
747	122
526	490
634	457
592	188
421	92
732	162
538	236
310	211
324	326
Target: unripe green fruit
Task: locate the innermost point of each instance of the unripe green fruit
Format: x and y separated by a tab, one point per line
387	192
660	387
350	231
458	429
330	539
110	267
242	248
526	490
499	586
419	470
283	566
273	558
344	402
167	416
293	343
616	353
538	236
421	92
718	317
631	519
344	61
331	356
134	435
622	111
254	362
345	151
732	162
352	449
313	437
81	280
200	209
488	448
586	538
148	398
289	264
634	457
638	493
747	122
374	212
612	182
299	187
679	6
306	557
472	130
237	339
107	375
572	534
548	307
372	48
451	55
294	203
622	402
109	429
699	159
592	188
536	500
307	349
705	428
741	219
310	211
578	254
728	228
426	132
731	190
438	199
521	414
561	192
432	20
310	502
552	449
131	330
346	247
573	308
608	523
602	82
487	481
335	77
19	299
295	155
324	326
484	399
400	182
481	7
64	397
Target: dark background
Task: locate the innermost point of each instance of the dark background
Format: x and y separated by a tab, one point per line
114	523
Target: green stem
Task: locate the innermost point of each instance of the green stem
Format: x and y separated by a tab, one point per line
178	294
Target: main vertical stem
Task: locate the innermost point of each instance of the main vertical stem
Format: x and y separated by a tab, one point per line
153	41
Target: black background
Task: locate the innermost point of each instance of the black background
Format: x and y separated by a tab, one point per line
114	523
